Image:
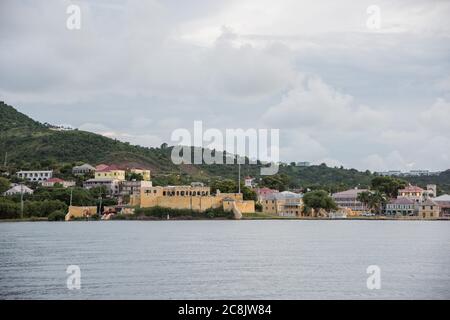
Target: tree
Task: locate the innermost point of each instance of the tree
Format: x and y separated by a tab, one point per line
133	176
4	185
279	182
388	185
248	193
364	197
225	186
373	200
317	200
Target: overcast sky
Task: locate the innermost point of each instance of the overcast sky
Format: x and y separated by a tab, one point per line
339	92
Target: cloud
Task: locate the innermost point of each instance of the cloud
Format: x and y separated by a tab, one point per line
337	91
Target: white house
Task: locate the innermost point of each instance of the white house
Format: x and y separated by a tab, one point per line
35	175
18	189
51	183
83	169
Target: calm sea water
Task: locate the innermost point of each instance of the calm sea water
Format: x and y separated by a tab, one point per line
225	259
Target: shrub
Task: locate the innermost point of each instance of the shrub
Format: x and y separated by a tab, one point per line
57	216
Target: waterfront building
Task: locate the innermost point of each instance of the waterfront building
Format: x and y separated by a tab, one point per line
349	199
444	204
18	189
401	206
52	181
428	209
83	169
286	204
190	197
110	172
35	175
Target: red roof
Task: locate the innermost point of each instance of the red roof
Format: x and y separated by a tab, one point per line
55	180
107	168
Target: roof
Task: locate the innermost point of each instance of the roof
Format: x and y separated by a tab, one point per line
101	166
401	200
349	193
55	180
108	168
266	190
443	198
428	202
283	195
411	188
84	166
19	188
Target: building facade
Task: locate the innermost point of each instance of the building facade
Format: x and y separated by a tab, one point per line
110	172
444	204
349	199
83	169
428	209
35	175
401	206
145	173
189	197
286	204
53	181
112	186
133	187
18	189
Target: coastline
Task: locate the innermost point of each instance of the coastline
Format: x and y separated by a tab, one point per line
245	218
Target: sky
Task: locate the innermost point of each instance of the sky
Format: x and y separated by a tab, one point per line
339	90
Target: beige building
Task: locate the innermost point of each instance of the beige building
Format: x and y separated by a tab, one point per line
287	204
190	197
133	187
349	199
428	209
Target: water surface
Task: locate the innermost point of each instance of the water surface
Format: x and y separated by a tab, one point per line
225	259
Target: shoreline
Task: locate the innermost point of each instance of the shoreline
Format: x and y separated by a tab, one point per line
244	218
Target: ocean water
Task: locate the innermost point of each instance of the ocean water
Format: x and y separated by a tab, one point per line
268	259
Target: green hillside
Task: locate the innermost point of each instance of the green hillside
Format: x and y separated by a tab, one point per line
33	145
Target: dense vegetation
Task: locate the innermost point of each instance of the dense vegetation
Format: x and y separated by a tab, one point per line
164	213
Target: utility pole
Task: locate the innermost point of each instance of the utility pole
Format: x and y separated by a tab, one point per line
6	159
21	201
71	196
239	175
100	206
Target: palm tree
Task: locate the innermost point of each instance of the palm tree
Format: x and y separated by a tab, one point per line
364	198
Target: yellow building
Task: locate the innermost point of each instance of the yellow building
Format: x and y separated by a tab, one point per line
190	197
287	204
110	172
428	210
143	172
